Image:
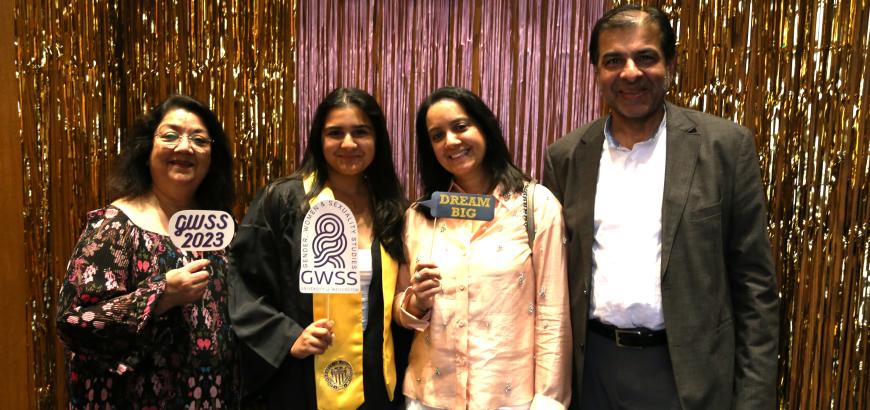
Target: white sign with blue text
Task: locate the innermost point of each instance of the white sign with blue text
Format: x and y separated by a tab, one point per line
329	250
201	230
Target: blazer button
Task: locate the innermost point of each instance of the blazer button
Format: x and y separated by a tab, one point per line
582	347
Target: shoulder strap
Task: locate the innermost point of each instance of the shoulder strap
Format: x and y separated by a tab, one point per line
529	211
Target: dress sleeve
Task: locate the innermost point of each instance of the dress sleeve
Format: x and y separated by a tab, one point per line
401	301
103	310
552	323
254	289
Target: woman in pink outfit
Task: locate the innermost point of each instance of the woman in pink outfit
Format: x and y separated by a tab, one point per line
488	305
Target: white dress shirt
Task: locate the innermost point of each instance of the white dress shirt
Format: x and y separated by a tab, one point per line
627	251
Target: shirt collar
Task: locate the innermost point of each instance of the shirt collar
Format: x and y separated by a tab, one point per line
497	193
612	143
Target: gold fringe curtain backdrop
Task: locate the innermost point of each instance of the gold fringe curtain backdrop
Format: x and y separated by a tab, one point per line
793	71
812	109
70	110
796	73
87	69
236	56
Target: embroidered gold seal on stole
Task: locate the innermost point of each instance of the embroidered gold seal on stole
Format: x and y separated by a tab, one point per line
338	374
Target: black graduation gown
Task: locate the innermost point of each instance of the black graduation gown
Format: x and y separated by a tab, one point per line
268	312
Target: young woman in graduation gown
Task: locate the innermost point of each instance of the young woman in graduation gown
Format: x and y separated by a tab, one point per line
295	354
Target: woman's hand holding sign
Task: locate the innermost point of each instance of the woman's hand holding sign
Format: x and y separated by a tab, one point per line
313	340
425	284
193	230
184	285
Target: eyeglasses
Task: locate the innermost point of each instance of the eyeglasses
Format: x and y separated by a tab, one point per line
171	139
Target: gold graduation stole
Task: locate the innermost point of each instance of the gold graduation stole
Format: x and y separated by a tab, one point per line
338	372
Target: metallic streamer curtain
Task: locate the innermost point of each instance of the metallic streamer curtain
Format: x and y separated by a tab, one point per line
524	60
87	69
793	71
236	56
70	108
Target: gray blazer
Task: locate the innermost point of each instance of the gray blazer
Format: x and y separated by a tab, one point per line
719	293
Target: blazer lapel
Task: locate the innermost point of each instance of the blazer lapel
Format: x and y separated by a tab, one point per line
586	159
683	144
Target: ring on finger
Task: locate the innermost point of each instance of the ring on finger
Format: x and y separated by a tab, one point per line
417	277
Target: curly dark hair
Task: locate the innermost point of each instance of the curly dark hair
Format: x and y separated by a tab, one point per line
131	176
389	201
618	18
496	159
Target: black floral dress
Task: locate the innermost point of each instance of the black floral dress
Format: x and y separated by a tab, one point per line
119	354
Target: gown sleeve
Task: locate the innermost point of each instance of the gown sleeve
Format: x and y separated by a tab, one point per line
265	331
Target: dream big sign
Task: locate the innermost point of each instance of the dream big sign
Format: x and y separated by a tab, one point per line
201	230
329	250
461	206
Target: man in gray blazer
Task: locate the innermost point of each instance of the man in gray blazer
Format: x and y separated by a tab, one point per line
674	303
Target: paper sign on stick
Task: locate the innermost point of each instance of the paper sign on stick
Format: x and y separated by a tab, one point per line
461	206
329	250
201	230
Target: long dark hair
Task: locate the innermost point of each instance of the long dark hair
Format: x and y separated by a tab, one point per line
132	177
389	201
496	160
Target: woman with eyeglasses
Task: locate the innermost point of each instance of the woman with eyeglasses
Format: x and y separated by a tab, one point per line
296	354
144	323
